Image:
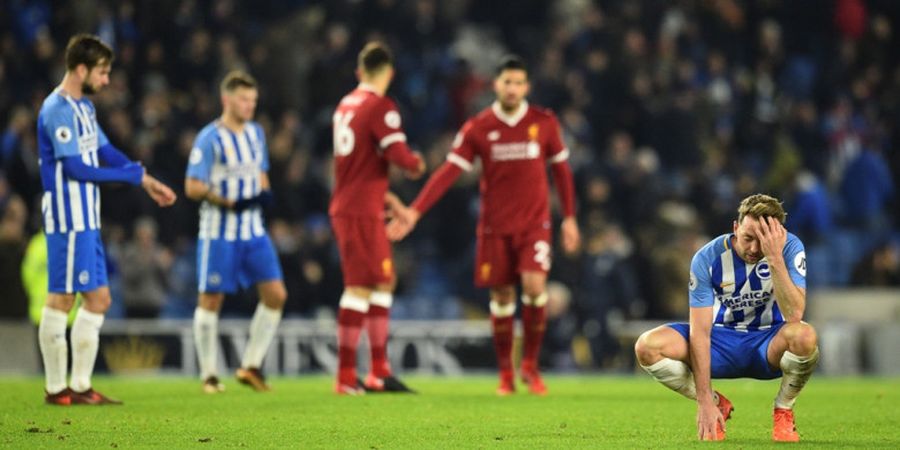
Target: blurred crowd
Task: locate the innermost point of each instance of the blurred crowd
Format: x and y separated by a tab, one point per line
673	111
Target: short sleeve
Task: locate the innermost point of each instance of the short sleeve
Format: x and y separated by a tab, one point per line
101	137
462	151
201	158
795	258
557	151
263	148
700	285
59	124
386	124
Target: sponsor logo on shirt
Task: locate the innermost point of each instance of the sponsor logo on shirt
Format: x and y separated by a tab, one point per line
241	170
515	151
87	143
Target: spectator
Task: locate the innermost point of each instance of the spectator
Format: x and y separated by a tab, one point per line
144	265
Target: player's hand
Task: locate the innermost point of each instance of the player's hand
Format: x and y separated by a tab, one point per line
708	416
419	171
264	199
772	236
402	224
571	237
159	192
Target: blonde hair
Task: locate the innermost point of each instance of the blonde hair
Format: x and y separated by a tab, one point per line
760	206
237	79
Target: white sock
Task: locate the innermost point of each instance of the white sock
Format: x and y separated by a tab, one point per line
206	340
52	340
262	330
797	370
676	376
85	342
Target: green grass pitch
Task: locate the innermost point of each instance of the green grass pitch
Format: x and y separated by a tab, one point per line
580	412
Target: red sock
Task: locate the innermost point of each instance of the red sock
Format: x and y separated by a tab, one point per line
377	322
350	324
503	342
534	322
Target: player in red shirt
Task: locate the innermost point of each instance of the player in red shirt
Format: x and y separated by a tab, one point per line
367	138
514	141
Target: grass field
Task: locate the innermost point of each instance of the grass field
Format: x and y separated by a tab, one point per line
580	412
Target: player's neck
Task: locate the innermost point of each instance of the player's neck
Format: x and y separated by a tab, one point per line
71	86
232	123
374	85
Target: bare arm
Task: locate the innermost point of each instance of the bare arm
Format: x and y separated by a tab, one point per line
199	191
791	299
708	414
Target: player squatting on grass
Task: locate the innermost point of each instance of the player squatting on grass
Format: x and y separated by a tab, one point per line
747	295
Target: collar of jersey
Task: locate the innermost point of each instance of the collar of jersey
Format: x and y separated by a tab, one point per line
367	87
511	119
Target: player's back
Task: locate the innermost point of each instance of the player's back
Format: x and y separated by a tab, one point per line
363	124
514	152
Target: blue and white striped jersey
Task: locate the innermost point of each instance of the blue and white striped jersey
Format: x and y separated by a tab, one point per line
68	127
741	294
231	163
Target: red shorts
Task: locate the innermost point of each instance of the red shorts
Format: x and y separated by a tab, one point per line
501	258
364	249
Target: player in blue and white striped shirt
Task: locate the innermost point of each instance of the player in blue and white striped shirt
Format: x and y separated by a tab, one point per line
75	156
227	173
747	297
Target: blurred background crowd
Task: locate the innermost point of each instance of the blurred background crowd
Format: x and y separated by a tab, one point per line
673	111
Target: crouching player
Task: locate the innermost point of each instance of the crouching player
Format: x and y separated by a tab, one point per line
747	297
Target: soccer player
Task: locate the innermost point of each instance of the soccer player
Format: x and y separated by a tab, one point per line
227	173
514	141
367	138
747	295
75	156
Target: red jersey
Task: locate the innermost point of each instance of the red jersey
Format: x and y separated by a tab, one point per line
514	151
367	136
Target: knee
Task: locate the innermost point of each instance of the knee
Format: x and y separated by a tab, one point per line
504	295
533	289
211	302
275	297
98	304
802	338
647	349
390	286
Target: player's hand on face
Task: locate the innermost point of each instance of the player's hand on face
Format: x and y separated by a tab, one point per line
571	237
772	236
708	416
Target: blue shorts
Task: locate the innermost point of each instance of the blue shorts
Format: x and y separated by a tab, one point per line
738	354
76	262
223	266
